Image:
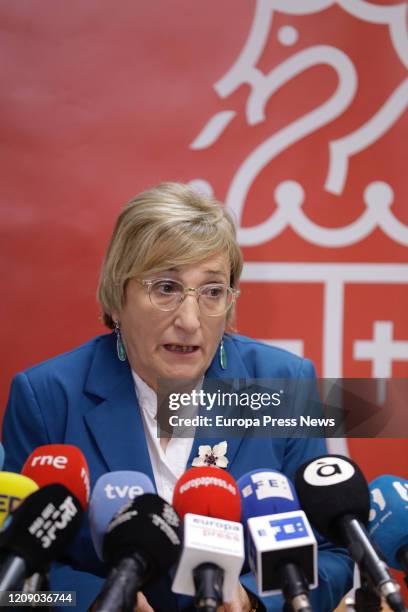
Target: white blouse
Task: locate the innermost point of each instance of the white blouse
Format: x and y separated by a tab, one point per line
167	465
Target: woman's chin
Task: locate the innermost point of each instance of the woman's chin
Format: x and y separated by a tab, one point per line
183	372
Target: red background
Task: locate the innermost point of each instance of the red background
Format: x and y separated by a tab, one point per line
101	99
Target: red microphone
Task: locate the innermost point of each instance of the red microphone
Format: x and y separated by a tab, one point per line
208	500
208	491
60	463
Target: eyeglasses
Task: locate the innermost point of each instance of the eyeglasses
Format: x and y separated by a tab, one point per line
214	299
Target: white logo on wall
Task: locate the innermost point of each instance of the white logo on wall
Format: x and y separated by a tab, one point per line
377	196
328	471
289	195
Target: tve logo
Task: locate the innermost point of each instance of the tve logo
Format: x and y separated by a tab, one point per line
123	492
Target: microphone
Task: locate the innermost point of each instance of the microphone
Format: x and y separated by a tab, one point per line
38	532
208	491
60	463
282	550
1	456
264	492
13	488
112	491
142	541
213	547
335	495
388	519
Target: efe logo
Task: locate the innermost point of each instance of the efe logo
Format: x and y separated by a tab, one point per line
288	528
328	471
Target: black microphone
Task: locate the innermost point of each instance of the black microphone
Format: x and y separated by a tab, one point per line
334	493
142	541
37	532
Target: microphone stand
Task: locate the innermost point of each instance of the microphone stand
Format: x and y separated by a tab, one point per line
287	607
208	583
295	589
33	584
366	599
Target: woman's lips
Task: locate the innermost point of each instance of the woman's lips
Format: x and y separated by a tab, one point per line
181	349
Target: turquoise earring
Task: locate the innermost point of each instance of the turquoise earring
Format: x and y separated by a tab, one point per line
223	356
120	347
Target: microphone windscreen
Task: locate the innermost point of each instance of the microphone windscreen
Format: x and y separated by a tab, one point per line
147	525
266	492
13	488
330	487
60	463
42	526
112	491
388	525
208	491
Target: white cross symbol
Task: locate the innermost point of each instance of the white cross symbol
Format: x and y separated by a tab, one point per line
382	350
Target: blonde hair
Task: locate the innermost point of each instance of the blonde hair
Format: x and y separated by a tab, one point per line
166	226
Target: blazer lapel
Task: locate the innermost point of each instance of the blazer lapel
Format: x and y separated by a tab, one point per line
116	423
235	369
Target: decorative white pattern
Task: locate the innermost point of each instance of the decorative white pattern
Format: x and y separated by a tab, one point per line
378	213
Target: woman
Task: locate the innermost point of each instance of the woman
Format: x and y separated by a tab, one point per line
168	289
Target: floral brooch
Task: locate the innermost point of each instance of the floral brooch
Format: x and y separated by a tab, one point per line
214	457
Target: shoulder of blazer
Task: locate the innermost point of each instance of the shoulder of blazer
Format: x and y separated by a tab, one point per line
264	360
92	367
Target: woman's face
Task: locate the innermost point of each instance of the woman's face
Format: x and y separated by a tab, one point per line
152	337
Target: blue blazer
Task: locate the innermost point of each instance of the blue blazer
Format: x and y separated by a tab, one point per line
87	398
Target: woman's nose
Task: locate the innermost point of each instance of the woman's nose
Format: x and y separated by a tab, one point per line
188	313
